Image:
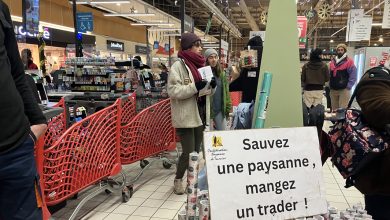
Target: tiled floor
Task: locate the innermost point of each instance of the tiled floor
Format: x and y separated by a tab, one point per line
153	198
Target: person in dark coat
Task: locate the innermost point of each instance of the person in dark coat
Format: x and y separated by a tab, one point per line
315	74
21	122
248	79
373	96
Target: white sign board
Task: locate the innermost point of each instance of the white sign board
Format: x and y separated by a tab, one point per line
224	45
359	26
253	34
386	15
264	173
206	73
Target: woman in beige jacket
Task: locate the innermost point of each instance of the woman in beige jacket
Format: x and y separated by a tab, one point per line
188	109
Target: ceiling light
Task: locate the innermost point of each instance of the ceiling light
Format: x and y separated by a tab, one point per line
118	4
100	2
129	14
164	29
375	45
152	24
376	24
380	38
331	41
172	35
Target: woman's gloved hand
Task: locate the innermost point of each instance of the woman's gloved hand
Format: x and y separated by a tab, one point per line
200	85
213	83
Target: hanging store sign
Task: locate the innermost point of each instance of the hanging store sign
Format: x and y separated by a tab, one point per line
253	34
114	45
84	22
359	26
280	177
302	31
31	15
386	15
188	23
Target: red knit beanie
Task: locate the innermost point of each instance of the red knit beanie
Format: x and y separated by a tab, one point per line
187	40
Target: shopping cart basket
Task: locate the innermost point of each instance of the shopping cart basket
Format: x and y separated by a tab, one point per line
145	100
150	133
86	154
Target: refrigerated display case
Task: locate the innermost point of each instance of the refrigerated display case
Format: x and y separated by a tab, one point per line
368	57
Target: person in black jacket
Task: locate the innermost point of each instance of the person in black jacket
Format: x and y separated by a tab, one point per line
248	79
315	74
21	122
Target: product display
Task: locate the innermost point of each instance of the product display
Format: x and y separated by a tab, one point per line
97	75
248	59
192	185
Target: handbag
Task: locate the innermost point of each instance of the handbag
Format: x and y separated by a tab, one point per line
360	153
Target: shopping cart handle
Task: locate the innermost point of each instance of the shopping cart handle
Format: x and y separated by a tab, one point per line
50	113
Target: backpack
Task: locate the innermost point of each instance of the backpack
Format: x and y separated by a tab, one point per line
360	153
242	118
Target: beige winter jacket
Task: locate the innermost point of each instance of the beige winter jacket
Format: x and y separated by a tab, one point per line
183	94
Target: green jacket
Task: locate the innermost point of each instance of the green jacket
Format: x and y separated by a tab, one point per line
226	103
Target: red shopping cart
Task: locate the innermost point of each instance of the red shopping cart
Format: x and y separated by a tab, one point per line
87	153
150	133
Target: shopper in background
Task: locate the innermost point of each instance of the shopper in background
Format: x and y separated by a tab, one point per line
221	104
188	110
21	122
248	79
315	74
343	76
28	60
164	74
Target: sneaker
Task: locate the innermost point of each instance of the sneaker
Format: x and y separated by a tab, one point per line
178	187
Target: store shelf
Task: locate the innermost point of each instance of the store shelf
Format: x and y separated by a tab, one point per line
72	74
88	84
89	91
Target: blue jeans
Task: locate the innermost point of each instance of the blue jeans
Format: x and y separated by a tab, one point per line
19	184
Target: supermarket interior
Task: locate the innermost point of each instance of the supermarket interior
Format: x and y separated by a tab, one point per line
195	109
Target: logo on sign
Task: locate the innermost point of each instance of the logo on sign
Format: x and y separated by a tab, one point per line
117	45
113	45
373	61
19	30
217	142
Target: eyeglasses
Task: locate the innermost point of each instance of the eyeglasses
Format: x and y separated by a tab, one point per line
198	44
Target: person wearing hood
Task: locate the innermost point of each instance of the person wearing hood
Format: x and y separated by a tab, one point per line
248	79
188	110
221	104
343	75
315	74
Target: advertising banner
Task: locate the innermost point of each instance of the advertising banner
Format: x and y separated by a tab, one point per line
302	31
31	15
264	173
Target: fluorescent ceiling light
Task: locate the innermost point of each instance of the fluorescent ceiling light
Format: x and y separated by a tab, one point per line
100	2
209	42
164	29
376	24
129	14
172	35
152	24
